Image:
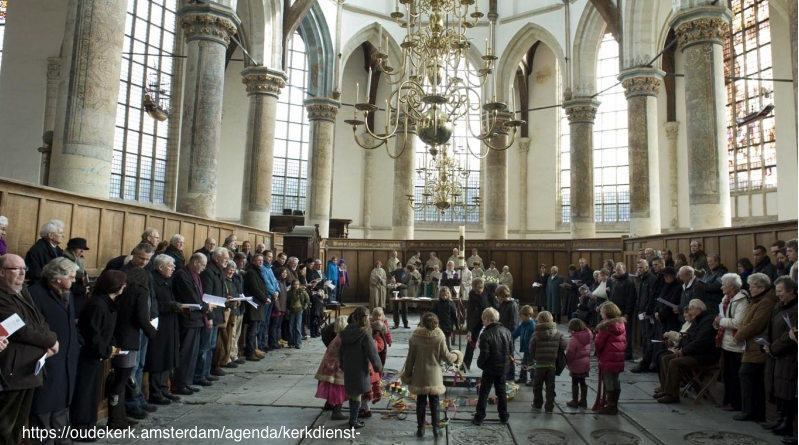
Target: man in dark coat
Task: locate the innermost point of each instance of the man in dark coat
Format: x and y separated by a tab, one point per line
585	274
646	308
624	295
213	280
479	300
763	263
46	249
697	348
208	247
188	289
255	287
712	280
51	294
163	353
26	346
692	288
553	291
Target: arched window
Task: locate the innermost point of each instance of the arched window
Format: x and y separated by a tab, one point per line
290	172
459	150
611	167
3	4
747	67
138	169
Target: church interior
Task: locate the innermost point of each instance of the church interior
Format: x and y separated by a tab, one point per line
536	132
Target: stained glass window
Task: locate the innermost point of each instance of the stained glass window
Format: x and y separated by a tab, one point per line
461	136
611	167
565	167
752	149
138	170
290	171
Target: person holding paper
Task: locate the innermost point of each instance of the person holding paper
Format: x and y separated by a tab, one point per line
781	365
540	286
163	353
96	327
188	289
734	307
647	295
27	345
213	280
255	286
53	298
669	293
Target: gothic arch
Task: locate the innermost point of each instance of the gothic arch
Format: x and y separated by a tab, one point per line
370	33
587	40
643	23
313	29
517	48
261	30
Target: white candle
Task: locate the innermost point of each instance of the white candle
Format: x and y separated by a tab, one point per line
369	86
462	231
357	92
380	37
512	103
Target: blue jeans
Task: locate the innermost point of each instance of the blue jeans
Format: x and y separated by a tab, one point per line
295	327
138	370
263	329
275	325
205	354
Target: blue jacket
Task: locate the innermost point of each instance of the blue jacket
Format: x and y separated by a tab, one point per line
525	331
270	280
332	272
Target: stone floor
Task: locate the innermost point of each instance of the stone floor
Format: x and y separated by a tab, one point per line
279	392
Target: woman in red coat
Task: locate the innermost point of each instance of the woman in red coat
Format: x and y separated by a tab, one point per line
610	344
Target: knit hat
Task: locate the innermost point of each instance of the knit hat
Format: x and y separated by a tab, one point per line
669	271
341	261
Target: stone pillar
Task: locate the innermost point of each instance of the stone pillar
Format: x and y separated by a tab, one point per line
404	167
208	28
581	113
322	116
672	131
367	193
524	150
83	140
641	86
263	89
793	23
701	34
50	102
496	183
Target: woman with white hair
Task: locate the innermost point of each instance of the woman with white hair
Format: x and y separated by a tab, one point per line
46	249
53	298
3	228
734	307
163	352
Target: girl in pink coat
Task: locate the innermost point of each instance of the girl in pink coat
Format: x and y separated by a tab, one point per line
610	344
579	361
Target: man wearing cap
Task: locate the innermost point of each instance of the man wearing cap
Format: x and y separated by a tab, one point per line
80	291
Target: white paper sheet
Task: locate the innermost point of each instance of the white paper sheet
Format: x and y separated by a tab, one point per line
536	284
40	364
640	315
191	306
249	300
762	341
667	303
212	299
10	325
154	322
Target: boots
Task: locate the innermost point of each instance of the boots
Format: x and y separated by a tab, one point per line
583	395
612	406
575	393
337	414
420	408
785	428
435	419
116	414
355	405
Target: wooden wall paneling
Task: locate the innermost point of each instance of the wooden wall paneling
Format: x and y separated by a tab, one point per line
561	259
187	230
711	244
499	257
134	227
529	273
744	244
23	224
360	283
765	239
157	223
201	233
595	260
172	227
110	240
683	246
786	235
85	224
60	211
727	251
514	263
548	258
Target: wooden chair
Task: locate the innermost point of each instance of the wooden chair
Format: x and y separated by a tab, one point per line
701	380
327	317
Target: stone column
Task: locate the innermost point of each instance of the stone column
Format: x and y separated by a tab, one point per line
263	89
404	166
672	131
50	102
581	113
793	24
496	183
367	194
524	150
208	28
701	34
83	140
322	115
641	86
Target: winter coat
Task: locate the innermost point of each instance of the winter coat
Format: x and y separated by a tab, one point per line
578	353
59	370
523	332
541	291
255	287
610	343
279	305
698	260
695	291
700	340
765	267
27	345
712	280
447	315
328	334
732	319
96	327
754	325
545	344
297	300
647	299
163	352
496	346
781	366
133	315
176	255
476	305
213	280
670	292
356	353
78	289
509	314
187	292
553	294
426	350
332	272
624	295
41	253
330	368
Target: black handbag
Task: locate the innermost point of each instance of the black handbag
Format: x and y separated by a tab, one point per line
560	364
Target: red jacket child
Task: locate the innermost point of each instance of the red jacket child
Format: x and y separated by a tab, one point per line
610	343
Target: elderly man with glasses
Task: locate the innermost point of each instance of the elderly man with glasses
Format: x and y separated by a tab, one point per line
46	249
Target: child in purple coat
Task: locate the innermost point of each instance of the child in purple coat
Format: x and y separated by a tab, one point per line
579	361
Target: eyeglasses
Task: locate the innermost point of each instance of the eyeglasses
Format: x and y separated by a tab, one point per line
22	269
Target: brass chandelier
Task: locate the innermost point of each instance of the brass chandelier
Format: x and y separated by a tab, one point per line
442	186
